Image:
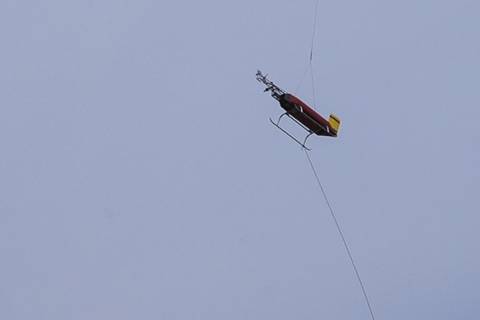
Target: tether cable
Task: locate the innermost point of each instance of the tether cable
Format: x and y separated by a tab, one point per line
314	30
309	66
332	213
311	53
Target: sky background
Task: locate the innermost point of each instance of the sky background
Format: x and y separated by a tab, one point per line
140	177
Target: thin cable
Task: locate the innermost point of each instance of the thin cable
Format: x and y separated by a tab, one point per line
314	30
332	213
313	87
309	65
341	235
311	53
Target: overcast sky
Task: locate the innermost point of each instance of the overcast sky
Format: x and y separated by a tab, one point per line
140	177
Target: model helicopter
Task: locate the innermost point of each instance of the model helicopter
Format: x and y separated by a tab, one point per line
300	112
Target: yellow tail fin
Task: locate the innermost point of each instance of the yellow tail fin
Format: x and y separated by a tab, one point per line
334	122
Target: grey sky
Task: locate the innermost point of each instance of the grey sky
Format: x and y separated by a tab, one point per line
140	178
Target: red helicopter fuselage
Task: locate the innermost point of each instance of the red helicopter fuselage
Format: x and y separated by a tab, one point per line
308	117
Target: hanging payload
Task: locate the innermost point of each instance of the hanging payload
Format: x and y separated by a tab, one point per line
301	113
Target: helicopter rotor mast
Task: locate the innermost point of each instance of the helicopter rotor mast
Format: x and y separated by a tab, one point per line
276	92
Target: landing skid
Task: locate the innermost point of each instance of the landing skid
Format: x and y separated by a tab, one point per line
277	124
